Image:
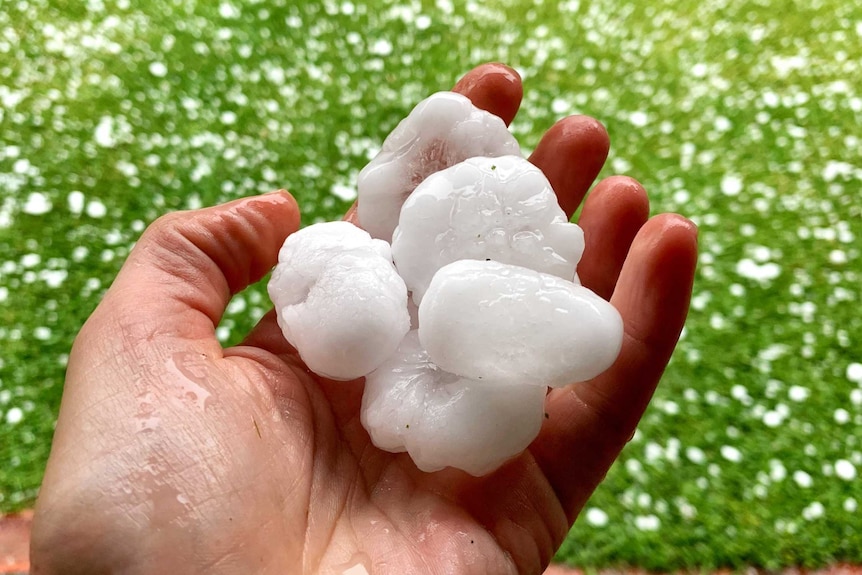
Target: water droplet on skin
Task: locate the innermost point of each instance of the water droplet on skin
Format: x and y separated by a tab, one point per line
148	425
192	365
191	370
147	417
359	564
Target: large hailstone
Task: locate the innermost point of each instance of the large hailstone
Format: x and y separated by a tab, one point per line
502	209
339	300
441	131
498	322
444	420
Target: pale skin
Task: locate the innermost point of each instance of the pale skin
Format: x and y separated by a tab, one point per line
175	455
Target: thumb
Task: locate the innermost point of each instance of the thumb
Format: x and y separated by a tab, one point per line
187	265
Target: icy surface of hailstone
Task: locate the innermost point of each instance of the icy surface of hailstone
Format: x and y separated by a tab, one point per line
441	131
442	419
502	209
511	324
338	299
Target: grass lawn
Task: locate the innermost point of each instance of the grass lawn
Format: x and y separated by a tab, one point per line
744	116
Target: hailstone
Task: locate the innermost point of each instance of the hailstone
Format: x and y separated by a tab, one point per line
339	300
442	130
502	209
456	374
505	323
444	420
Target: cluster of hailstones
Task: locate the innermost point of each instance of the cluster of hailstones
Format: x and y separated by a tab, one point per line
459	300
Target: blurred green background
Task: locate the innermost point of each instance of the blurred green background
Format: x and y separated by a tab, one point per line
743	115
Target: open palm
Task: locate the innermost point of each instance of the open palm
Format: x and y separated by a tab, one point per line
173	455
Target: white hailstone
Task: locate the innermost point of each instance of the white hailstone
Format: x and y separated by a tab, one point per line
37	204
638	119
493	321
76	202
647	522
802	479
695	455
731	185
228	117
596	517
228	11
339	300
813	511
158	69
653	452
96	209
343	192
104	133
845	470
772	419
841	416
30	260
670	407
731	453
502	209
798	393
14	415
381	47
777	471
222	333
739	392
443	420
750	269
441	131
838	257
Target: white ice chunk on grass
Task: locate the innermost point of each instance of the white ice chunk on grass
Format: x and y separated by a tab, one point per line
443	420
502	209
339	300
442	130
498	322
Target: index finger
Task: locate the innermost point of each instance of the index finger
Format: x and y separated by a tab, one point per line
495	88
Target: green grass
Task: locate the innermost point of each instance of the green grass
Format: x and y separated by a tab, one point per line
744	116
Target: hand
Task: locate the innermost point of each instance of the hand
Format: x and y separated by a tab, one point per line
173	455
